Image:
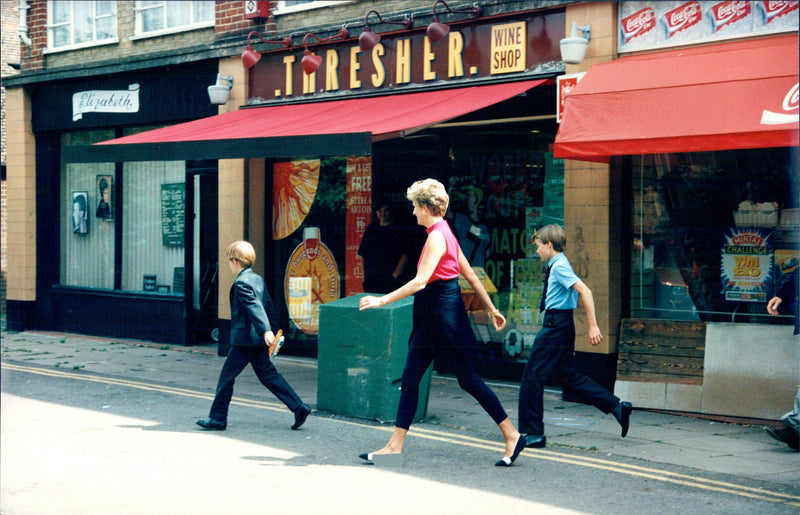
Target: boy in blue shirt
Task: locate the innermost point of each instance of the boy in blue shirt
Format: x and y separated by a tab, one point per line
554	345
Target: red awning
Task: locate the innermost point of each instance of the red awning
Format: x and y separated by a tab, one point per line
717	97
384	116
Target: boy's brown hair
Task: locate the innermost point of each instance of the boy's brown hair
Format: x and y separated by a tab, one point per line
554	234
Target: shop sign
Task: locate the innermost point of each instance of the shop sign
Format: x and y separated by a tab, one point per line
470	52
746	272
654	24
105	101
359	215
788	109
565	84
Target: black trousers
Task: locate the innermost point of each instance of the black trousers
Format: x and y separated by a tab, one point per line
258	356
553	349
442	331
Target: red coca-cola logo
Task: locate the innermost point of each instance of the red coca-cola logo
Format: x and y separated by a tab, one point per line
791	102
638	23
725	13
774	9
682	17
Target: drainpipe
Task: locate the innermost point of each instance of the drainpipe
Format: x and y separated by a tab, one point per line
23	23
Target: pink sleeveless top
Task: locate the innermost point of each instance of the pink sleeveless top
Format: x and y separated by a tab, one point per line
447	268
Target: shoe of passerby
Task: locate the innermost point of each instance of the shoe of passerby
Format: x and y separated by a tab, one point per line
212	424
786	435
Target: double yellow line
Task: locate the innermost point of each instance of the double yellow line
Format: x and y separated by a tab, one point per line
458	439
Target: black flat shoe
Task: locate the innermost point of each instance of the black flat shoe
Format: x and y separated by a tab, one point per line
506	461
300	416
212	424
625	417
538	441
385	460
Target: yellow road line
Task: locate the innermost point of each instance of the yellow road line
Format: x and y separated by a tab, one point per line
464	440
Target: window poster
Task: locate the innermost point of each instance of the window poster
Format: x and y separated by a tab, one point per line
746	271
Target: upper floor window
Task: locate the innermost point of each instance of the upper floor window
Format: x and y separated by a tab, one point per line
80	24
290	6
163	17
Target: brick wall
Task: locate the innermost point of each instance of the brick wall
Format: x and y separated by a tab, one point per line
9	54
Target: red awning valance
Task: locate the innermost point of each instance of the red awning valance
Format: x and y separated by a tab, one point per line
717	97
384	117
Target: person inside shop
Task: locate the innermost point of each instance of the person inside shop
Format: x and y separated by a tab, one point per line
104	205
79	221
473	236
786	301
384	248
253	322
441	326
554	345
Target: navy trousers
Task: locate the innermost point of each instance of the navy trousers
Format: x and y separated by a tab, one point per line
442	331
553	349
258	356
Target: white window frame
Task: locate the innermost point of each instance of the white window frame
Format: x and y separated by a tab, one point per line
282	8
192	25
87	44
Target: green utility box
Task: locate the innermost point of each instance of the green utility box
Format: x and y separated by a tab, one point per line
361	357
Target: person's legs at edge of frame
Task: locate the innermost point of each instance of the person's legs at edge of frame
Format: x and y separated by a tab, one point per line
790	433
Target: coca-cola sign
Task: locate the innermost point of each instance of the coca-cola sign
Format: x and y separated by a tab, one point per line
726	13
659	24
790	103
638	23
682	18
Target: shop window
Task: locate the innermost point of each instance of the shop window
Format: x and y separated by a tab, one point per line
87	236
153	226
291	6
715	234
150	210
160	17
73	25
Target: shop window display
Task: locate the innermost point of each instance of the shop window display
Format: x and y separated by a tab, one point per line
152	225
715	233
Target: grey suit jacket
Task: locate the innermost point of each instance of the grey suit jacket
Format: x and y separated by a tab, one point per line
252	310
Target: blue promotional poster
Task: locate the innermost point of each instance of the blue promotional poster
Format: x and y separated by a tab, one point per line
746	271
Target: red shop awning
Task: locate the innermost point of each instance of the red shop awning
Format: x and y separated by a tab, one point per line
296	129
717	97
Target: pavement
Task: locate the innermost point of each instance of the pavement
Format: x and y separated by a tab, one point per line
738	447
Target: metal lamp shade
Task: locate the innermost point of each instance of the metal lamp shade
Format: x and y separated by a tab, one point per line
368	39
250	57
310	62
437	31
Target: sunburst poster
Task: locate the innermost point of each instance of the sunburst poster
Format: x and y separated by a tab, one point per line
294	186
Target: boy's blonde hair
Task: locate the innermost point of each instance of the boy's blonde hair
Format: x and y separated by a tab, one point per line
554	234
243	252
429	193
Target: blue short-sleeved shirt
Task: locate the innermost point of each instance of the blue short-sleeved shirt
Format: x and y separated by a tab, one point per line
560	294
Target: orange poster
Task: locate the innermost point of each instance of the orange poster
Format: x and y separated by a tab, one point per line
294	185
359	213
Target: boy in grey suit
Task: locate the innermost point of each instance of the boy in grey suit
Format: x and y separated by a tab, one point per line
252	321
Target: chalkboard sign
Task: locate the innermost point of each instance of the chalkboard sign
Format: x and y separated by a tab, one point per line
173	214
178	279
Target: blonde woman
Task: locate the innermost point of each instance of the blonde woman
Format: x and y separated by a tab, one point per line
441	328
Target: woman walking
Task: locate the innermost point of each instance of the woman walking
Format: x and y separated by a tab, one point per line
441	328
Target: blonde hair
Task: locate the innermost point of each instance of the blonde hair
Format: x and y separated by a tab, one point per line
241	251
431	194
552	234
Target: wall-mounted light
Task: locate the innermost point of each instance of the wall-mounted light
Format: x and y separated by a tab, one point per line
368	39
251	57
573	48
437	30
218	93
311	61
